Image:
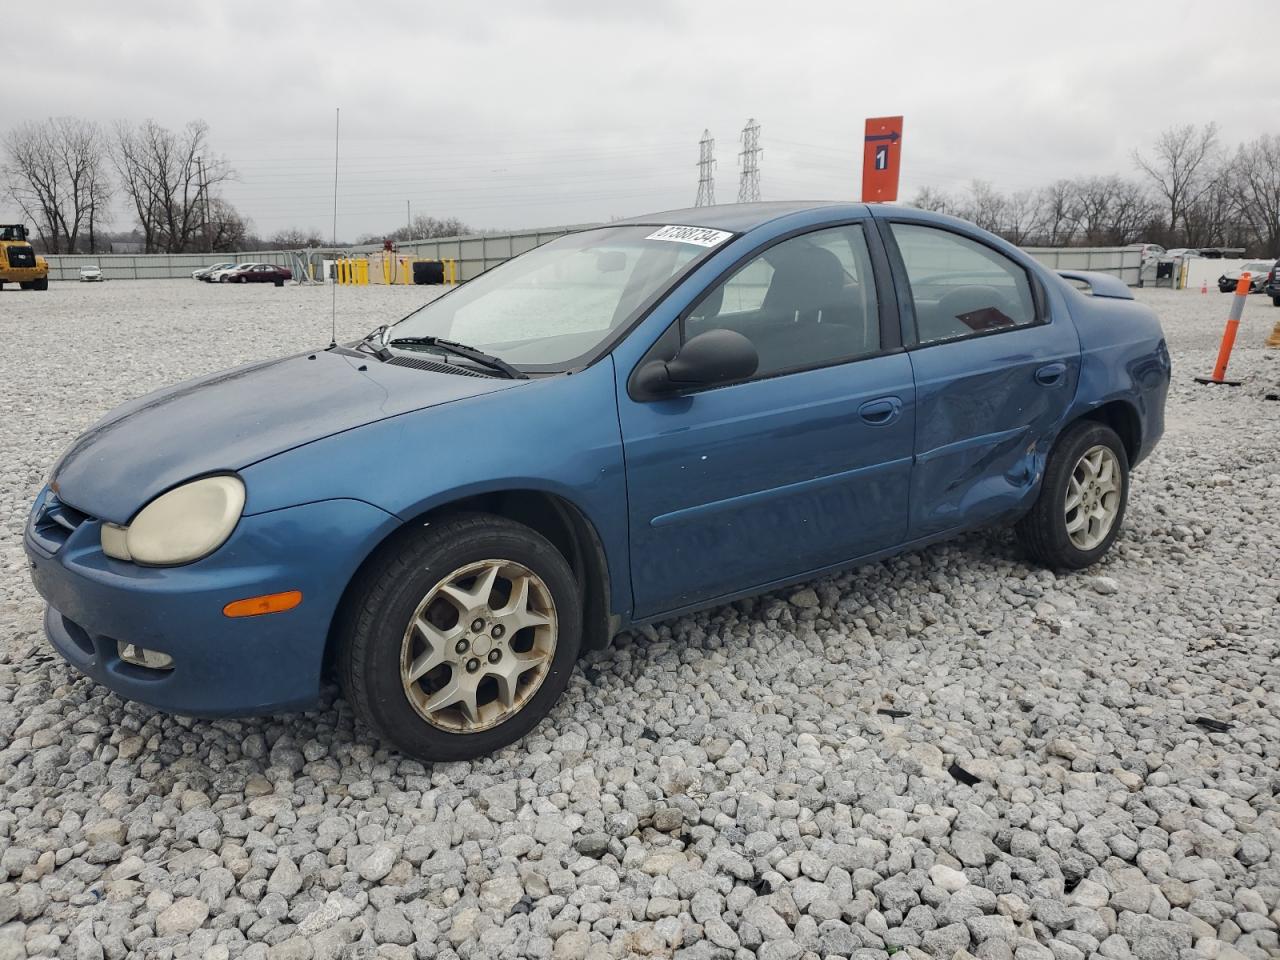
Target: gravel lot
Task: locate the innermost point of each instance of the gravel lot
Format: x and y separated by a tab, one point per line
771	779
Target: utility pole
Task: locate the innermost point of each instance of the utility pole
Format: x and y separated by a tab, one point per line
202	197
706	171
408	219
749	163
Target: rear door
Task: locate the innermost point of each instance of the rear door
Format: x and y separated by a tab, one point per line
995	373
806	464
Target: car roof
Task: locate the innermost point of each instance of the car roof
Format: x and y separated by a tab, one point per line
741	217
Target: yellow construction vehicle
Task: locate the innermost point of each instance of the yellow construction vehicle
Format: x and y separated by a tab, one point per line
18	261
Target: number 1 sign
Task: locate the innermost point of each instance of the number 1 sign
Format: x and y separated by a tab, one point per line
881	153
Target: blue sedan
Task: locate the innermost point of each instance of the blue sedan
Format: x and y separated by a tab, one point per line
624	424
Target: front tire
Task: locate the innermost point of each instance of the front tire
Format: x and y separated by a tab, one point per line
1082	500
41	284
460	636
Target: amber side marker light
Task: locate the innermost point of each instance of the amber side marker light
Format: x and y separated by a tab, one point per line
268	603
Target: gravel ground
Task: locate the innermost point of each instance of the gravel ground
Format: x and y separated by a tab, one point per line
946	752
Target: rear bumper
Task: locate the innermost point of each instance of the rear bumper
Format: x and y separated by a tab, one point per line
221	666
22	274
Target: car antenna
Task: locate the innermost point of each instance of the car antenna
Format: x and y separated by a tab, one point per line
333	309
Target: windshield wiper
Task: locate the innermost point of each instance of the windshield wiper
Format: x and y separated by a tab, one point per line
461	350
376	341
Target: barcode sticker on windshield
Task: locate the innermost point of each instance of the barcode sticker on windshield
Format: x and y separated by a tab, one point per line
701	236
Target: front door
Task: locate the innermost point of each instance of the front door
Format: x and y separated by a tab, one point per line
805	465
995	374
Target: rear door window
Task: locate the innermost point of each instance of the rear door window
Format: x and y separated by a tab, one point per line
960	287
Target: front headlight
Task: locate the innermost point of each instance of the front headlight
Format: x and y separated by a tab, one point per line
181	526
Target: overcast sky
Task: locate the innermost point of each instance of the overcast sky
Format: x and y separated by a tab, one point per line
567	111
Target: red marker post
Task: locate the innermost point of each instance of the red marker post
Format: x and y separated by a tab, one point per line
881	158
1229	336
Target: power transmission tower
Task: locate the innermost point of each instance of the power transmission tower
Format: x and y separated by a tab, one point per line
749	163
706	171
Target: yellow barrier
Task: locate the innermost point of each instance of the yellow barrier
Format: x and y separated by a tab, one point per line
355	271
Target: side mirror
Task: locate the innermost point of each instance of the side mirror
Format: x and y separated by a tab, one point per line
717	356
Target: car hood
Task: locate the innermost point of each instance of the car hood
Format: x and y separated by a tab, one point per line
232	419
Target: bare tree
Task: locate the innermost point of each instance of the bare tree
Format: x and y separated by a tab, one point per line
227	230
295	238
1057	206
1255	185
423	228
1022	217
168	178
933	200
56	172
985	206
1180	166
32	178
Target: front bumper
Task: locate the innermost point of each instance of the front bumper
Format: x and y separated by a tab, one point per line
221	666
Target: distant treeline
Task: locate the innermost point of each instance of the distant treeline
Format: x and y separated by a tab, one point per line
1189	191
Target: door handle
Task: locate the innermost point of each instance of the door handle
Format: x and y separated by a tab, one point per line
1050	374
881	411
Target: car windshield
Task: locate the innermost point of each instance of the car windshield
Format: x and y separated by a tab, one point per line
558	303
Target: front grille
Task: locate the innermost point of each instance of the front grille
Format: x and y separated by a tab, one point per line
437	366
55	522
22	257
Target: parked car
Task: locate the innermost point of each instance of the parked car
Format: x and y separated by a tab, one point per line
91	273
619	426
1272	285
1257	270
1150	251
261	273
223	274
206	273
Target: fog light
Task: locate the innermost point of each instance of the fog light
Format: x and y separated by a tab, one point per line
142	657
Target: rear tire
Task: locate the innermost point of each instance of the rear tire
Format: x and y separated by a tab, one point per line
1275	301
41	284
1080	509
420	623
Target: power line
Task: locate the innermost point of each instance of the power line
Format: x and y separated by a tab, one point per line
706	171
749	163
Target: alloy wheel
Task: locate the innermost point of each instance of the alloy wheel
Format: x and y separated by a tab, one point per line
478	646
1093	497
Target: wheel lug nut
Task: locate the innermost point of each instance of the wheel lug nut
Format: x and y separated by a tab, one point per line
498	631
473	665
462	646
495	656
478	625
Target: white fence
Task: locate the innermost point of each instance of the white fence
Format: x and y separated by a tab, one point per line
476	254
1122	262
